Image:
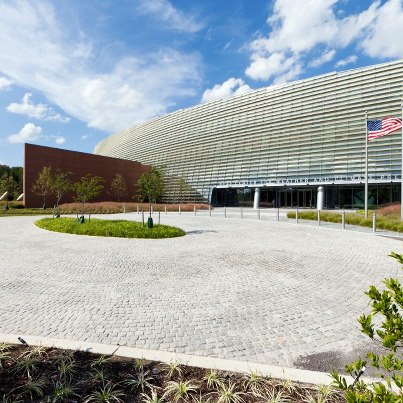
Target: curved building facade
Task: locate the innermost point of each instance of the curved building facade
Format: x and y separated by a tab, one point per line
278	145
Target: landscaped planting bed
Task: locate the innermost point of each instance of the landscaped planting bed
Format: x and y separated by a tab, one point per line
37	374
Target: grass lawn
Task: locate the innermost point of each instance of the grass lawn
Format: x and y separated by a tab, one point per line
109	228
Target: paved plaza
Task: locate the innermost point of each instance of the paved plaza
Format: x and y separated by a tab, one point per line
260	291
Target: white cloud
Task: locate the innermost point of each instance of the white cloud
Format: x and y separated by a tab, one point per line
38	111
60	140
323	58
276	64
233	86
348	60
384	37
171	16
299	28
28	133
5	83
134	89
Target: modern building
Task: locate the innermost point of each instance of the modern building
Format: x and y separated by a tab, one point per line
278	146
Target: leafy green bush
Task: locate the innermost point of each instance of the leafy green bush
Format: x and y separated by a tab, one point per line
387	329
109	228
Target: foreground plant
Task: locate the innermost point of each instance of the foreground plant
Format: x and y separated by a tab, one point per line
33	388
180	391
227	393
62	391
153	398
387	307
171	369
254	383
142	380
4	353
213	379
106	394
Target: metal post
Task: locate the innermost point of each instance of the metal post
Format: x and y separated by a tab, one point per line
209	210
258	213
151	209
137	209
343	220
180	210
401	175
194	209
124	208
142	217
366	167
373	222
225	212
159	217
241	212
278	214
296	216
318	217
165	209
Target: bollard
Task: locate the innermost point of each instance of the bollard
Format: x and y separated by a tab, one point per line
241	212
296	216
180	210
137	209
343	220
209	210
318	217
142	217
194	209
165	209
151	209
159	218
278	214
258	213
373	222
124	208
225	212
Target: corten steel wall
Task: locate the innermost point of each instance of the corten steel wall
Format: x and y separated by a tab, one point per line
79	164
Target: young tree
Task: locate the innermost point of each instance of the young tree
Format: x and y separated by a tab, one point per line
61	184
17	173
150	185
387	330
43	184
87	188
118	187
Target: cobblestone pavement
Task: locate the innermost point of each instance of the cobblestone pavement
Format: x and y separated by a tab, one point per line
260	291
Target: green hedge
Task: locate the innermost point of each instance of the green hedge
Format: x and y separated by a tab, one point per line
382	222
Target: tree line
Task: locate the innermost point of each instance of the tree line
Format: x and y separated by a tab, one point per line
11	181
50	183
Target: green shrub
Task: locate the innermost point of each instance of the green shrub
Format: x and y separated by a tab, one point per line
109	228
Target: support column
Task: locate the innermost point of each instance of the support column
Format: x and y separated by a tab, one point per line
321	198
256	199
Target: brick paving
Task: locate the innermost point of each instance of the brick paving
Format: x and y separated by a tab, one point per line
259	291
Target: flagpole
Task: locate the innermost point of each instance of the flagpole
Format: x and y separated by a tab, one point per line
401	174
366	165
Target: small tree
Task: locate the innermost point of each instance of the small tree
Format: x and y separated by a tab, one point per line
8	184
150	185
43	184
87	188
118	187
61	184
387	306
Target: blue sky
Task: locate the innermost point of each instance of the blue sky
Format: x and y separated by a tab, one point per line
74	71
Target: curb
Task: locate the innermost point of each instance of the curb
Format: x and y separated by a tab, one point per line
292	374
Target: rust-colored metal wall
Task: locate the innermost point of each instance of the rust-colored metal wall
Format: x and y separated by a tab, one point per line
79	164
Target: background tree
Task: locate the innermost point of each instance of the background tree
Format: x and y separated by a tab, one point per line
87	188
43	184
150	185
182	187
61	184
18	175
8	184
118	187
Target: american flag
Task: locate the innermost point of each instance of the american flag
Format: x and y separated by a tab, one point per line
379	128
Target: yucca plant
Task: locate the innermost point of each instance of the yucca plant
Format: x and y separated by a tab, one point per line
201	399
62	391
99	375
180	391
66	367
152	398
213	379
4	353
106	394
142	380
139	364
254	383
227	393
27	364
10	399
274	396
172	368
32	388
100	361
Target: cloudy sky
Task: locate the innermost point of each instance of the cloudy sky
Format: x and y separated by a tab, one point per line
74	71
